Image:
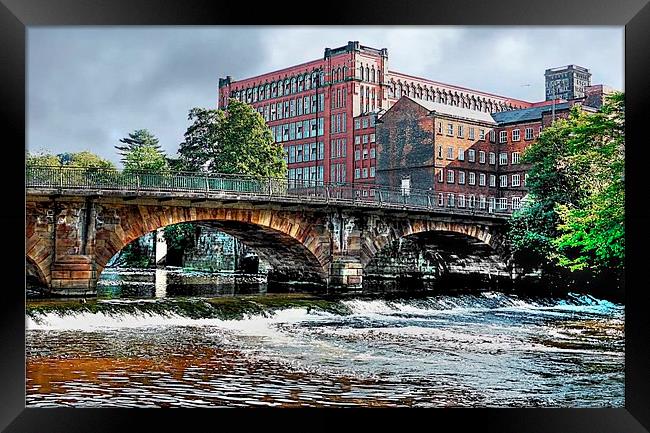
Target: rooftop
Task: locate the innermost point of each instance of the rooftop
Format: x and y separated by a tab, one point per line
464	113
526	114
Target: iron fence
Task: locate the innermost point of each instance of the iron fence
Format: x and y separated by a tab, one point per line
61	178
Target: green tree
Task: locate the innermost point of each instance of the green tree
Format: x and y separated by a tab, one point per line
137	138
592	228
200	147
145	158
236	141
179	238
573	217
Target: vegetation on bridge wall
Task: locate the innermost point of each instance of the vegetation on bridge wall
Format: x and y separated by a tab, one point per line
573	223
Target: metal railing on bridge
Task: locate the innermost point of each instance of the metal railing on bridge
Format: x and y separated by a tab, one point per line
361	194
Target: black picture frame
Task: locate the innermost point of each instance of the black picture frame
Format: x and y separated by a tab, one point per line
17	15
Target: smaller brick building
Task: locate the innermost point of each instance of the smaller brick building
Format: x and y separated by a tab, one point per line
463	158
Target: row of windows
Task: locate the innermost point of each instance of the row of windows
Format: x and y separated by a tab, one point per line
471	133
471	201
368	138
471	156
364	122
339	97
337	173
297	130
363	173
278	88
291	108
516	135
368	73
304	152
398	89
338	123
311	173
337	148
369	103
482	177
358	153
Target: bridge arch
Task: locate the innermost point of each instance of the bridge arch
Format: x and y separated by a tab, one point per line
33	270
387	232
288	241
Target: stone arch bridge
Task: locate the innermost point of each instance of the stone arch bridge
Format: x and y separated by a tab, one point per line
325	234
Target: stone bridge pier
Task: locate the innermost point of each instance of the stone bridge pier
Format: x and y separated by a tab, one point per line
71	238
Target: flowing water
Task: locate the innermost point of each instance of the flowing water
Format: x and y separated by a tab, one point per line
473	350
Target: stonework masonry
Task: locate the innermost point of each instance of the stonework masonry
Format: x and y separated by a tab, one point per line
70	239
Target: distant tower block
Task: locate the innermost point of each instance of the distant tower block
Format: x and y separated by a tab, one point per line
567	82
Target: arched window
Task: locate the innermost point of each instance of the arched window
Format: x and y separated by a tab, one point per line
300	83
345	73
267	91
274	89
398	92
360	72
255	93
293	85
372	74
280	88
287	86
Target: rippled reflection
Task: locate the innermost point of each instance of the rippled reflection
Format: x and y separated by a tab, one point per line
465	350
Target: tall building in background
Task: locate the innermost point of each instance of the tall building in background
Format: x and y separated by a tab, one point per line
324	111
567	82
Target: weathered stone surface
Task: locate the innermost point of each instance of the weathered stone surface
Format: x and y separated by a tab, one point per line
332	246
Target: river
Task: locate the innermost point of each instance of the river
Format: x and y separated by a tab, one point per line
142	346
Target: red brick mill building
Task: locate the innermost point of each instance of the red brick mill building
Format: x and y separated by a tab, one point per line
324	113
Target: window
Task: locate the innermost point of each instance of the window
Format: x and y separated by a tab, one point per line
481	179
450	200
372	171
481	134
357	123
450	153
299	153
357	155
461	154
503	158
461	133
461	200
525	179
406	186
450	129
357	173
493	135
461	177
439	127
321	151
516	203
440	152
441	176
471	155
372	137
492	158
441	199
365	122
365	139
492	204
493	180
292	154
357	139
365	173
529	134
515	157
481	202
503	136
503	203
472	201
515	135
481	156
373	153
365	153
471	133
516	180
503	180
450	176
472	178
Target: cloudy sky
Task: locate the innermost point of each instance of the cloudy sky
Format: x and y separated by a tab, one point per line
90	86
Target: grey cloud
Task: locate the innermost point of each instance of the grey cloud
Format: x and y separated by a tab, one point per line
90	86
